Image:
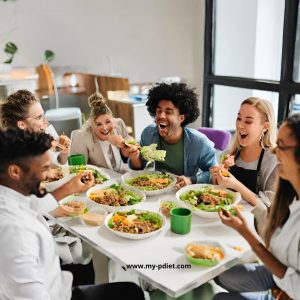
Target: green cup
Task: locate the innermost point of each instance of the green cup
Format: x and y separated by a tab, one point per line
76	159
181	219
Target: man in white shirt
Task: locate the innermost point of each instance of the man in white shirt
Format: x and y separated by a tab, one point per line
29	263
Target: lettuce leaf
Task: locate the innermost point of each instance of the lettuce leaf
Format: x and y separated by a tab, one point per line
150	153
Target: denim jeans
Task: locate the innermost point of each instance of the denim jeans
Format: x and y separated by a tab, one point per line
249	281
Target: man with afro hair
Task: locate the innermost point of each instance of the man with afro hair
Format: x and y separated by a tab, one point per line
189	154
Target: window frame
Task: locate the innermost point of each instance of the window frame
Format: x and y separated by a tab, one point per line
285	87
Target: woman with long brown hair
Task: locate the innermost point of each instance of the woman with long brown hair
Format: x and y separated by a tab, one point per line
280	253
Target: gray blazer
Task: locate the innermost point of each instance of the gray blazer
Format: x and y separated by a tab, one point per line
84	141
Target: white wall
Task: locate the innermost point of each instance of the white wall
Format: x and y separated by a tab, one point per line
144	40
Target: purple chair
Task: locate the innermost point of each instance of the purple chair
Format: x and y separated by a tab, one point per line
220	137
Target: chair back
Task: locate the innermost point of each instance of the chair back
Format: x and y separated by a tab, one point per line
220	137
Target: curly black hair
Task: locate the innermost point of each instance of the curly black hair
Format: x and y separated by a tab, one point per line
180	94
18	145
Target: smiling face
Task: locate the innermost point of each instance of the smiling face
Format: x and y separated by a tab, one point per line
250	125
288	167
104	126
34	173
168	119
36	120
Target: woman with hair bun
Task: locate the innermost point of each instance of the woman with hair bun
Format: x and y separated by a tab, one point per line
102	138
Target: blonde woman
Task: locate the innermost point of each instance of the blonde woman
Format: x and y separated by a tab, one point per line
280	252
102	139
254	171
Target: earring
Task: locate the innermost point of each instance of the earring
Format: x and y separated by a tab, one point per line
261	139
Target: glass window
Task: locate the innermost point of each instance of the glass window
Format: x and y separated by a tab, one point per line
248	38
295	104
296	73
227	101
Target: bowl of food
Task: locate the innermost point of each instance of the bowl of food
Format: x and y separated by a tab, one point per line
204	253
99	174
135	224
205	200
113	196
74	206
166	204
150	182
56	177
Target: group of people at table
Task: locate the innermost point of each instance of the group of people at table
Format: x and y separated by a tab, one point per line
263	168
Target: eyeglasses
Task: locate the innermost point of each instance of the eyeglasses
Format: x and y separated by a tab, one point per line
284	148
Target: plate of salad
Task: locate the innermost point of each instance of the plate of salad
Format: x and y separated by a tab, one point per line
100	175
150	182
135	224
114	197
206	199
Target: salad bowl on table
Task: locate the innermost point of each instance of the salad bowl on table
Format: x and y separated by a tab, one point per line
114	197
135	224
205	200
152	183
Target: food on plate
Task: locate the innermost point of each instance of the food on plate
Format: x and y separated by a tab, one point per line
151	181
136	222
208	199
99	178
62	143
226	161
75	208
166	206
150	153
93	219
54	174
115	195
204	251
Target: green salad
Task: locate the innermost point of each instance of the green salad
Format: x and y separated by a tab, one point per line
115	195
208	199
99	178
151	181
134	221
150	153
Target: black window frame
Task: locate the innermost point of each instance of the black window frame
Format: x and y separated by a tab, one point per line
285	87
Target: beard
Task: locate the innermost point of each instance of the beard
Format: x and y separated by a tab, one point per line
37	189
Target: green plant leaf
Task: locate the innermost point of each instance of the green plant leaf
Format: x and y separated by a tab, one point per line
10	48
9	61
49	55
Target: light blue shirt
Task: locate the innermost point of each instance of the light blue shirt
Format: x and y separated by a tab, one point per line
199	153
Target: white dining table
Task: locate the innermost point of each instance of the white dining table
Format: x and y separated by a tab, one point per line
160	259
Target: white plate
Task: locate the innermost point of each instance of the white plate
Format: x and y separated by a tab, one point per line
51	186
203	213
132	236
100	170
109	208
72	198
133	174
